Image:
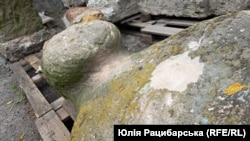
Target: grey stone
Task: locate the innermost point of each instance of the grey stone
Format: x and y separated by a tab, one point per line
115	10
74	3
18	48
134	43
200	73
179	8
220	7
74	52
194	8
48	6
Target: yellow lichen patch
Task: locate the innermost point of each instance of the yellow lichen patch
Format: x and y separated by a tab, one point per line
116	106
234	88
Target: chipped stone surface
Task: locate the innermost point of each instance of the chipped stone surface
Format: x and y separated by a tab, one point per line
176	73
218	47
18	48
115	10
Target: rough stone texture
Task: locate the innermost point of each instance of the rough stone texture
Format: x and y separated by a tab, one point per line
194	8
74	52
134	43
115	10
74	3
18	18
18	48
48	6
179	8
81	15
200	74
220	7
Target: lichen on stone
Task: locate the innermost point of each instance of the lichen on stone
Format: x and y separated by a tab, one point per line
234	88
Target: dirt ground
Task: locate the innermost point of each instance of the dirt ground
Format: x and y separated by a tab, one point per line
17	116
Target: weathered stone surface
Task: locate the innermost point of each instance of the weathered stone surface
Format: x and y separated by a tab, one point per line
18	18
74	3
135	43
115	10
194	8
74	52
18	48
220	7
48	6
179	8
81	15
198	76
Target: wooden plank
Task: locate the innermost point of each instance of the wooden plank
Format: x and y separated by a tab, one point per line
23	62
161	30
62	114
58	103
37	78
131	19
35	97
70	108
178	22
142	24
33	61
51	128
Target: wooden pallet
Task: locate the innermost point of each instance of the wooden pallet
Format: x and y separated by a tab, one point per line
50	117
162	27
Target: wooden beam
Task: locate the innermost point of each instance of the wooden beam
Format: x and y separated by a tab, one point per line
37	78
131	19
58	103
178	22
70	108
62	114
33	61
38	102
161	30
142	24
51	128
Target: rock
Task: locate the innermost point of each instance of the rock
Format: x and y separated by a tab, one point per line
18	18
74	3
18	48
45	19
81	14
135	43
48	6
194	9
161	84
74	52
179	8
220	7
115	10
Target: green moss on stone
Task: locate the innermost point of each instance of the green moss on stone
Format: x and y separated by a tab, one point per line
18	18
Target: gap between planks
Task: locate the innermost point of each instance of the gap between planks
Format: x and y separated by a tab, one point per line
49	116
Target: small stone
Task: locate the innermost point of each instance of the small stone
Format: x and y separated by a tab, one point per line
211	109
192	111
221	98
243	30
204	121
81	14
210	42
